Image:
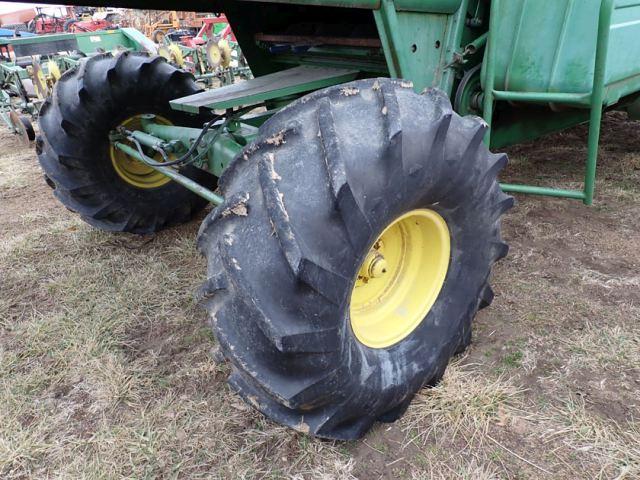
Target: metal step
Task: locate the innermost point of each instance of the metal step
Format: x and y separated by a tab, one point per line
268	87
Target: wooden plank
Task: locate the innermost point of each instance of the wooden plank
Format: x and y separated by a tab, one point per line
268	87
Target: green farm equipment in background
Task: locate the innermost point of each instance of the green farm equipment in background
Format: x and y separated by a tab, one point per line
357	213
30	66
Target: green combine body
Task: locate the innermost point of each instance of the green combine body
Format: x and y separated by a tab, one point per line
541	56
357	203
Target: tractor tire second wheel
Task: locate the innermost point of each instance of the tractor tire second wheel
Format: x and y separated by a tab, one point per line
158	36
109	189
351	254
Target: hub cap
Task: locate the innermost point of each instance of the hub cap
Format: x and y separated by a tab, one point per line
400	278
133	171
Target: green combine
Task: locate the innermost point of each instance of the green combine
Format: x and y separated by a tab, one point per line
357	212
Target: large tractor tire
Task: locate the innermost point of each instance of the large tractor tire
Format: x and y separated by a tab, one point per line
110	190
351	254
158	36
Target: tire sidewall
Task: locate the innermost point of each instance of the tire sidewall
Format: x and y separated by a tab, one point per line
415	360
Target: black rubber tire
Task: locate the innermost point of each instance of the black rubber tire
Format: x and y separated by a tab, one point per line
304	203
157	36
25	129
87	103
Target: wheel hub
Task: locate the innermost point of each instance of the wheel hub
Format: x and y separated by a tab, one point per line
133	171
374	265
400	278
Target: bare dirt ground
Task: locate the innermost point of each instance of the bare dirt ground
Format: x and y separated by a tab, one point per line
106	368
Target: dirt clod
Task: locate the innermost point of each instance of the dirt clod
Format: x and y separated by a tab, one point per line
349	91
239	209
277	139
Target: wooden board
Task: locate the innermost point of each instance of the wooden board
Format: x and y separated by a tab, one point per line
268	87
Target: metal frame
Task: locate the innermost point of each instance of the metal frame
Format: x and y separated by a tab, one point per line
594	99
427	65
171	173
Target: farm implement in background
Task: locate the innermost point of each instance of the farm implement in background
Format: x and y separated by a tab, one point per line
358	211
31	65
173	23
211	54
59	19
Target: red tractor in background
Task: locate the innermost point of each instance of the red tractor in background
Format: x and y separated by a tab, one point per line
48	20
68	19
91	23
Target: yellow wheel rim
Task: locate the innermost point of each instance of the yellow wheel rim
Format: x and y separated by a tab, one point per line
165	53
400	279
214	56
225	53
54	70
133	171
176	55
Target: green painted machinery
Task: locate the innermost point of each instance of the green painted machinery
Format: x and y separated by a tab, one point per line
357	202
572	58
85	43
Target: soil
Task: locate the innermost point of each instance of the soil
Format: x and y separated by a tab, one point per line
563	330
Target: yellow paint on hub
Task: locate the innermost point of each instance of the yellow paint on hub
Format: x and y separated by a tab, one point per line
54	71
400	278
132	170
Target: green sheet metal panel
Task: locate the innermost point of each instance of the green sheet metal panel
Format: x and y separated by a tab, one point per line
89	42
550	45
85	42
420	46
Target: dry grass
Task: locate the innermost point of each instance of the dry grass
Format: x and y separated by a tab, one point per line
464	404
106	368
